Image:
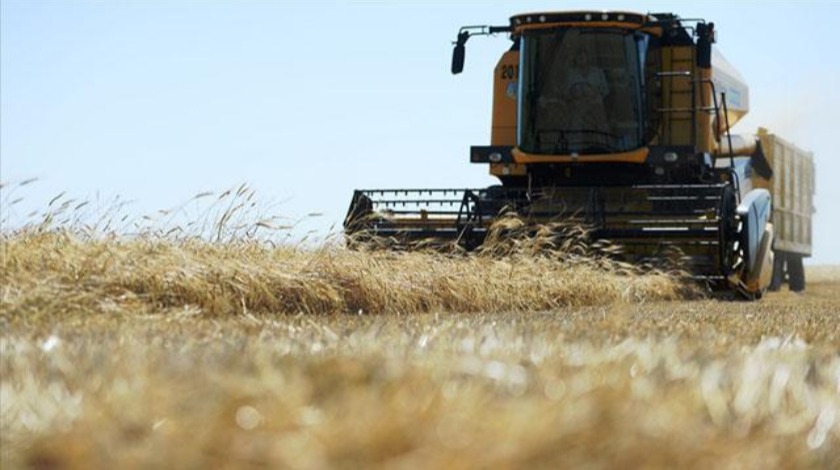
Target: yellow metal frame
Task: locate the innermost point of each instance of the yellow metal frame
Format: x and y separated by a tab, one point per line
519	29
634	156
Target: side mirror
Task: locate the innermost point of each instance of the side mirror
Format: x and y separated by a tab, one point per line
459	52
705	38
458	58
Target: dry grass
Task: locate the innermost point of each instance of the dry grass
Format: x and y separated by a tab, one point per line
822	274
58	274
66	260
695	384
173	351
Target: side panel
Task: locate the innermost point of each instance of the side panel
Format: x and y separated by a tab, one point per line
505	89
792	188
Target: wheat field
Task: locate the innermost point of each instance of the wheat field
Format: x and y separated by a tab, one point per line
161	351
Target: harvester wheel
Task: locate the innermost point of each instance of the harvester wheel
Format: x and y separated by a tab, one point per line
494	201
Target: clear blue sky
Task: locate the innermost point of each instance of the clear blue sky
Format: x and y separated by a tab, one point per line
156	101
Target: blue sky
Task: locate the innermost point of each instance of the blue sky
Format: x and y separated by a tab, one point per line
156	101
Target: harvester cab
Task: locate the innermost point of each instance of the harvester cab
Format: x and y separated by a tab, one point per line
618	121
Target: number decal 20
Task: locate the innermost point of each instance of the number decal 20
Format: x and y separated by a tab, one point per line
510	72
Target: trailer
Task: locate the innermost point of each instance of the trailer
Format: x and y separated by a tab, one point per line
792	187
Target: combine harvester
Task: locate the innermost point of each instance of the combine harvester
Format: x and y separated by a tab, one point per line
620	121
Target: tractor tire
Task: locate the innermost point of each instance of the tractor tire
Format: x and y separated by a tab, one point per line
778	271
796	273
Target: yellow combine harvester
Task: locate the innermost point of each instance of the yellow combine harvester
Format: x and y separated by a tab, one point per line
619	121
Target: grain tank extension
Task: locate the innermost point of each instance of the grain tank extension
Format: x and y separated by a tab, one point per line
619	121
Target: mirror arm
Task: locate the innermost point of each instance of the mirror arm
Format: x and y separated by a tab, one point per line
466	31
464	34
